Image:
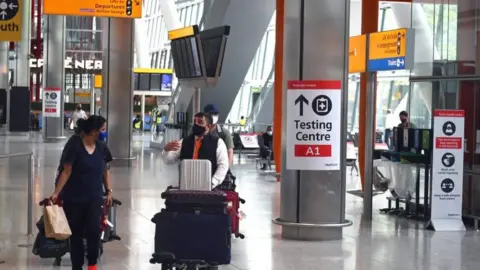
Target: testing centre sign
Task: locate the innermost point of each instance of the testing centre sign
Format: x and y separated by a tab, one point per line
447	170
391	50
10	20
314	125
97	8
51	102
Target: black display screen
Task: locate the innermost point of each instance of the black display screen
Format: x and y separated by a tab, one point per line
135	81
211	53
144	81
196	57
186	60
155	82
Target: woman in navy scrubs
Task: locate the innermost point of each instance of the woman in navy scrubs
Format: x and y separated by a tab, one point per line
80	185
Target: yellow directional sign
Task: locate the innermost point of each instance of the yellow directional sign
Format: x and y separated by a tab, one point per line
182	32
357	54
98	8
10	20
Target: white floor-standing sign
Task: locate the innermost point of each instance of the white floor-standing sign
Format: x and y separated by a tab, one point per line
51	102
314	125
447	170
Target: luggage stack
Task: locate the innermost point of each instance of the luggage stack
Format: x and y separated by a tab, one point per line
195	227
51	248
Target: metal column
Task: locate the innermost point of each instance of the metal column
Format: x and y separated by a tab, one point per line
4	55
4	82
369	146
54	72
313	202
22	69
117	89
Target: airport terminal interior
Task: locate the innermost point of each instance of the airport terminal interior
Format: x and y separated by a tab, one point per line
377	191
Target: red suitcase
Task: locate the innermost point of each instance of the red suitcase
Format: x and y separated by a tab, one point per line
233	210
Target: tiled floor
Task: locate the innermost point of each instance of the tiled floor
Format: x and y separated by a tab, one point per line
386	243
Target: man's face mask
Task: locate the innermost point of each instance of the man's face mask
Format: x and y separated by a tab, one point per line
214	119
270	132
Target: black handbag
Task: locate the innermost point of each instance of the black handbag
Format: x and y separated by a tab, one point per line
48	247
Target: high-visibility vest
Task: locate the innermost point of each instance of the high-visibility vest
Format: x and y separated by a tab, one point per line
243	122
138	125
159	119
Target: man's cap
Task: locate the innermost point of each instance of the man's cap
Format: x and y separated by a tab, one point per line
210	108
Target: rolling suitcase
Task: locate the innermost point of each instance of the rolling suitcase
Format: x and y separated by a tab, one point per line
110	228
233	209
192	201
194	227
192	236
196	174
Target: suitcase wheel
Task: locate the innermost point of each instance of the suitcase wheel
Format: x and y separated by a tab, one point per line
115	237
242	201
57	261
239	235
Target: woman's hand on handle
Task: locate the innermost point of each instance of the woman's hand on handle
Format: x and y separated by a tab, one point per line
109	199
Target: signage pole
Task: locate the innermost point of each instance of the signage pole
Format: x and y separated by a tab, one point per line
92	96
369	146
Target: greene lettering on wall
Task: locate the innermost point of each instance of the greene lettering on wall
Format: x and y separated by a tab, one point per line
70	64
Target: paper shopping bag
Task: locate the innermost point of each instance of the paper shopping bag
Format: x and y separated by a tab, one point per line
56	223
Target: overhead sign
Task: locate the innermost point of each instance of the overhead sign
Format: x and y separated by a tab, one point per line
95	8
69	64
51	102
447	170
391	50
10	20
357	54
314	125
182	32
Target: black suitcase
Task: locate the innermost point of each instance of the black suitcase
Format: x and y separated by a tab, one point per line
189	201
194	237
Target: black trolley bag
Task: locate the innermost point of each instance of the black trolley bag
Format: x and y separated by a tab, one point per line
194	227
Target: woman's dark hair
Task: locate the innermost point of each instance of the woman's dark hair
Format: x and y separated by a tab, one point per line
93	123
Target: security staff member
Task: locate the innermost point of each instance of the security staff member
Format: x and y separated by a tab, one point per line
200	145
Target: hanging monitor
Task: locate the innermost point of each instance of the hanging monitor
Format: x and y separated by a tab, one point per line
198	56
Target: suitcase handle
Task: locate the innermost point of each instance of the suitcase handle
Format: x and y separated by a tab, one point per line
115	201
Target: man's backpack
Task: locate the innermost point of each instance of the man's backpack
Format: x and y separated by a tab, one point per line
220	132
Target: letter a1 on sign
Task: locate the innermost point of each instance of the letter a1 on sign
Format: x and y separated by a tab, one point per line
314	125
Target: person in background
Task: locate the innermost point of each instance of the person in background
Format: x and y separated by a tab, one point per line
390	122
266	145
80	186
77	114
242	121
405	121
138	123
200	145
34	121
220	131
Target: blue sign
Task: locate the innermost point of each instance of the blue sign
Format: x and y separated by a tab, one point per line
396	63
167	82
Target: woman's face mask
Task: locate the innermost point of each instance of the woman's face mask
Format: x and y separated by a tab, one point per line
102	136
270	133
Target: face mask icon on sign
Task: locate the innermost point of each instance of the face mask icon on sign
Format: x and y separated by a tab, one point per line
449	129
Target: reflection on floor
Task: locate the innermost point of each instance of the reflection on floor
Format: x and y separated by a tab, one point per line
386	243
